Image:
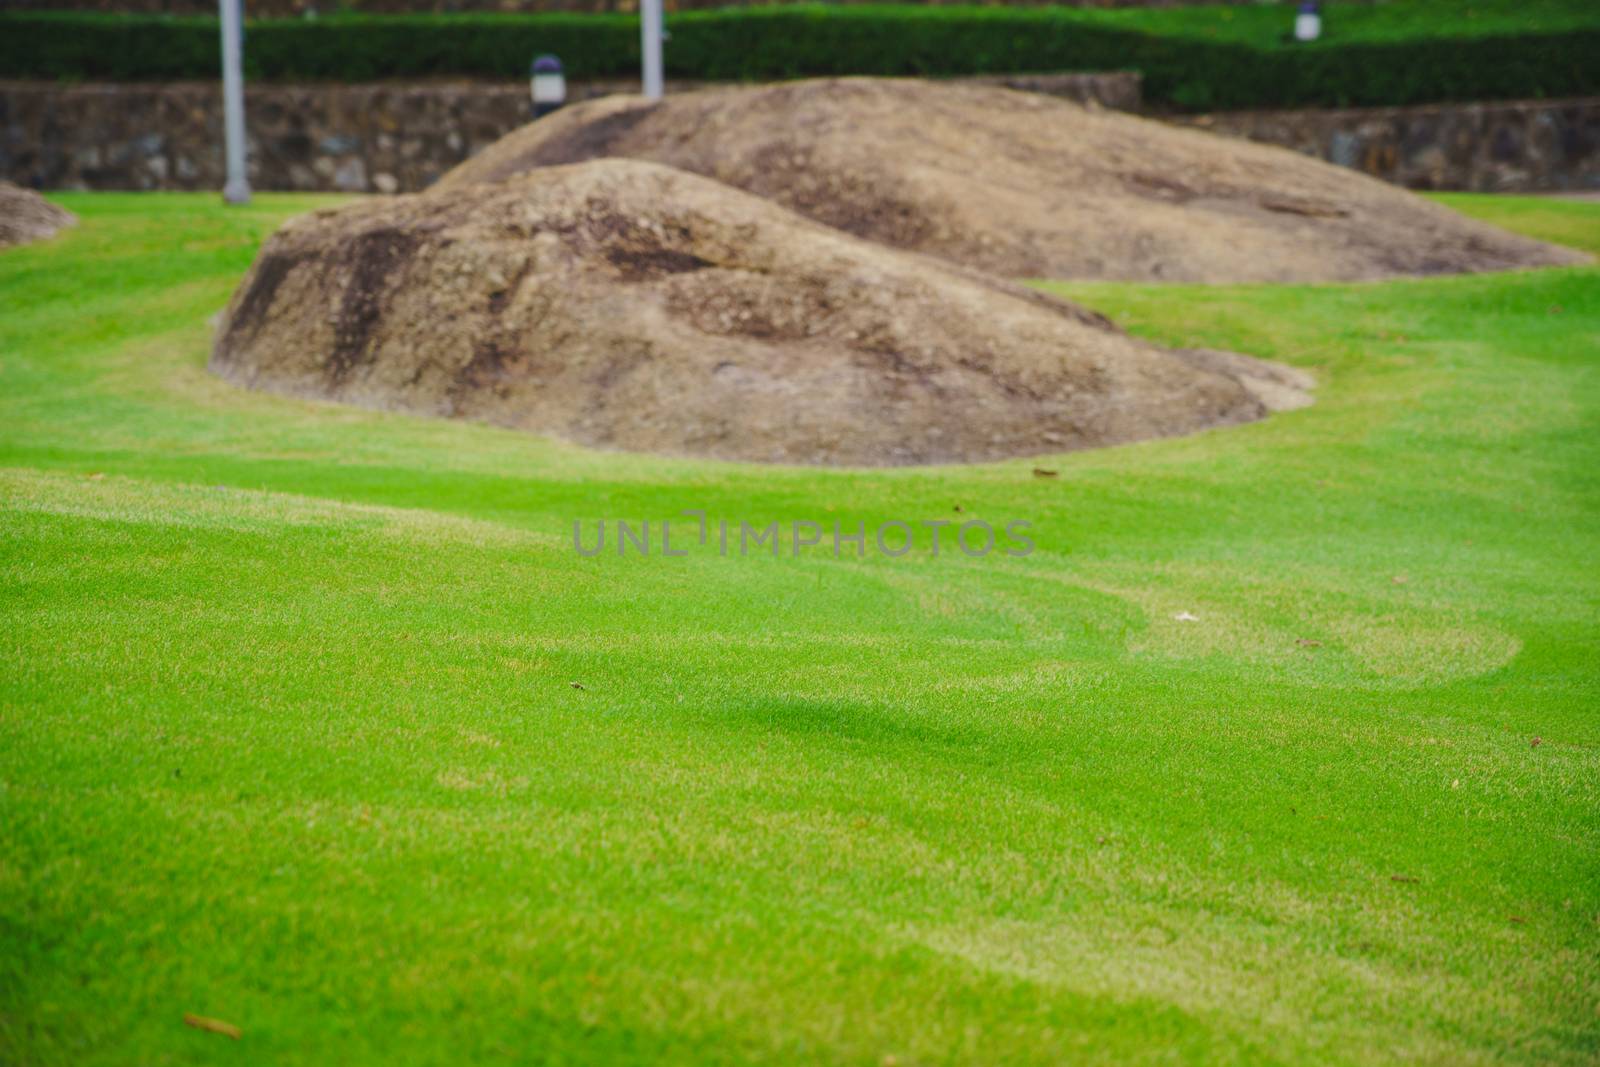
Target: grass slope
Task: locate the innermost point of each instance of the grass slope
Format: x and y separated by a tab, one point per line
1192	58
1268	25
287	735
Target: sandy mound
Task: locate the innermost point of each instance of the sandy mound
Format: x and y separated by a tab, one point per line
1027	185
26	216
628	305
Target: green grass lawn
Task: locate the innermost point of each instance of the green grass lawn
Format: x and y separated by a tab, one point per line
288	736
1204	56
1267	25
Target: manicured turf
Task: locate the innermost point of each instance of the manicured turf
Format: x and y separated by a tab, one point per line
1194	57
288	736
1267	25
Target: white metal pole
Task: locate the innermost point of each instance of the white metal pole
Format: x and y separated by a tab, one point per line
650	41
237	190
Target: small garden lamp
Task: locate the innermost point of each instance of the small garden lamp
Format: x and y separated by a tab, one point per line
548	84
1308	21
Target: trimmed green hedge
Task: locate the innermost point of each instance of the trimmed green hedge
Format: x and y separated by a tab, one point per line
1190	72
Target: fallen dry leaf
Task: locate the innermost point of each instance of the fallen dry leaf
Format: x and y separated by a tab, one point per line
1040	472
1403	878
576	685
215	1026
1309	208
1306	642
1537	741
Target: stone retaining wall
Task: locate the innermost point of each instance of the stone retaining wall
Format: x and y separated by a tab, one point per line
392	138
351	138
1539	145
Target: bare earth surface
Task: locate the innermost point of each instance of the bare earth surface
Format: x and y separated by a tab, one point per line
26	216
628	305
1027	185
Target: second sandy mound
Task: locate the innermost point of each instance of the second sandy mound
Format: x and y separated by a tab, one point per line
628	305
1027	185
26	216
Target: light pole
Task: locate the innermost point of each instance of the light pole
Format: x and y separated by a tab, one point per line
237	189
650	41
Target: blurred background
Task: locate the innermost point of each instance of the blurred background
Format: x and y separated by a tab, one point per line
383	96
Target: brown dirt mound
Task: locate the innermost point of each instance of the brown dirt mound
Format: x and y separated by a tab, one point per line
628	305
1027	185
26	216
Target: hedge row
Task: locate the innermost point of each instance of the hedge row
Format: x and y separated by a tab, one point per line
1183	72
